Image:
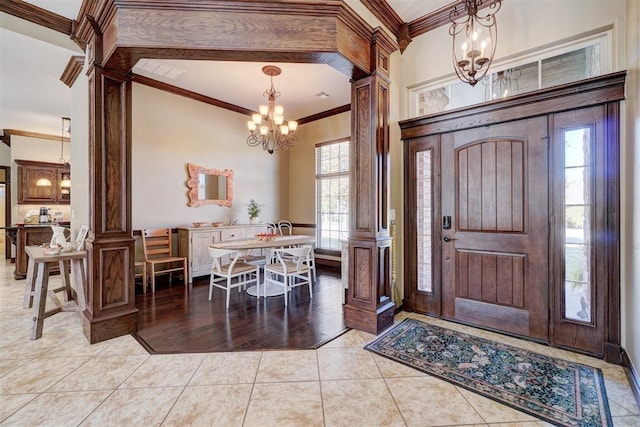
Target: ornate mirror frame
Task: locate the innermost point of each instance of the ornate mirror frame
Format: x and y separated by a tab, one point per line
192	184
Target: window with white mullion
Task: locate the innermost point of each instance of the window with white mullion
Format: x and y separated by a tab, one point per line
333	167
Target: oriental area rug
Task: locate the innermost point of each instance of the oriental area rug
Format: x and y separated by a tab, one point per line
554	390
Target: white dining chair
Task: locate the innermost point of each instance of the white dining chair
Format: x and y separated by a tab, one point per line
285	228
227	267
289	270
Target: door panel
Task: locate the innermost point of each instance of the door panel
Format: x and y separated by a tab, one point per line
494	259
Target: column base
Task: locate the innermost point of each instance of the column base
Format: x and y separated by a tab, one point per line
107	327
373	322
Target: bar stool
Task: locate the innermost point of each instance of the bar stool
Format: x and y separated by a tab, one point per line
37	287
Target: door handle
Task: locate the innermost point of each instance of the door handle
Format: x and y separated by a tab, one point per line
447	239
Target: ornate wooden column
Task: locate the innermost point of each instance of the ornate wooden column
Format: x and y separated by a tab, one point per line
369	304
110	295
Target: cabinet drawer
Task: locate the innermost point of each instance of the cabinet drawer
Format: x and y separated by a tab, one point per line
233	234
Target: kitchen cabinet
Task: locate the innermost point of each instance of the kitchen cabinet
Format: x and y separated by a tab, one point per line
193	242
30	172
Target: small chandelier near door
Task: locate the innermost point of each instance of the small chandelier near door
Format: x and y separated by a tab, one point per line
267	128
474	38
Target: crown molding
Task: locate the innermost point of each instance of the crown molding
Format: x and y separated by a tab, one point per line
8	133
324	114
136	78
72	70
385	13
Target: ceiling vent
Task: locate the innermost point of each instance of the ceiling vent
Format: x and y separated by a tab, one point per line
159	69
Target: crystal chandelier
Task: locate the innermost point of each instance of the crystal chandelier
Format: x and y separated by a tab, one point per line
474	39
267	128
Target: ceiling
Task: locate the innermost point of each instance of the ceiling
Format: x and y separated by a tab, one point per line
32	97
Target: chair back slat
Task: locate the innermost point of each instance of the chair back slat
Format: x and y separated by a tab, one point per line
219	255
285	228
299	256
156	243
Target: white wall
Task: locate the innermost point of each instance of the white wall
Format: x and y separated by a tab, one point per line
170	131
80	151
5	155
630	263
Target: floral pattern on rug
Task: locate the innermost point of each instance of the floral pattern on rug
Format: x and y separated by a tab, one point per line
558	391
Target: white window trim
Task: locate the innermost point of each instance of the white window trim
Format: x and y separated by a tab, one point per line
601	36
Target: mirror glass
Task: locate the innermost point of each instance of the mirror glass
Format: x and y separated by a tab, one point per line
209	186
212	187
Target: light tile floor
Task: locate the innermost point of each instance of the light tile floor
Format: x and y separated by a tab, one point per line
61	380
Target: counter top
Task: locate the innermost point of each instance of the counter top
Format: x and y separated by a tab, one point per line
43	224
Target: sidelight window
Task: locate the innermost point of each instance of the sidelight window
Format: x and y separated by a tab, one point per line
578	204
424	213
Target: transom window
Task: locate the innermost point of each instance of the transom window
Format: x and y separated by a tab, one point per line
570	61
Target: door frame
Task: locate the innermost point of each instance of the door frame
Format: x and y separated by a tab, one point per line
605	90
7	208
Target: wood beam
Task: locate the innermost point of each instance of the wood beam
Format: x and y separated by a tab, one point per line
136	78
37	15
284	31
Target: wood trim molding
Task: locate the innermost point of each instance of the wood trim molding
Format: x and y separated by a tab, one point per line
136	78
8	133
432	20
72	70
597	90
632	376
405	32
385	13
39	16
324	114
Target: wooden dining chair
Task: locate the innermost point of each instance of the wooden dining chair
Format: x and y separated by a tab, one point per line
158	248
291	269
227	267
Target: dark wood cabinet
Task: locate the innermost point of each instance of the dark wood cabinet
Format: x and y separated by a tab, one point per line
31	172
30	236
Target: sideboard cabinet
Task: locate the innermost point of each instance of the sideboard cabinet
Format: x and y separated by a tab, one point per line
194	244
29	192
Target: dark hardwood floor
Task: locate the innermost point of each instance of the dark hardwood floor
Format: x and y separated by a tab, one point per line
173	322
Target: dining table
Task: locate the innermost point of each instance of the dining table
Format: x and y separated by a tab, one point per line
267	244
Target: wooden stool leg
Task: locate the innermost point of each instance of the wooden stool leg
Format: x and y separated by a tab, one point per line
40	299
66	282
29	286
80	278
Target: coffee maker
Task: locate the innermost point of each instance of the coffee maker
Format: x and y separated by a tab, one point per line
44	215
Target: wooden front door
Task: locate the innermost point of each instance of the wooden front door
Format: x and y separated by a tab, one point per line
495	227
